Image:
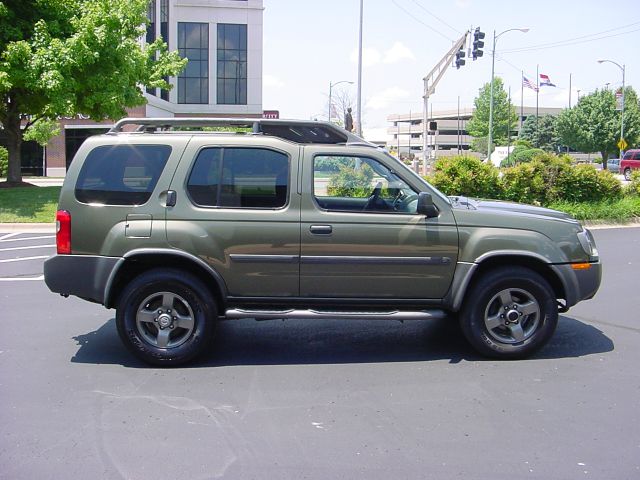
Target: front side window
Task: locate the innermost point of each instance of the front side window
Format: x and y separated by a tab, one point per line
193	81
360	184
121	174
239	178
232	64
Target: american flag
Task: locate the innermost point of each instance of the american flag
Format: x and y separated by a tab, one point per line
545	81
527	83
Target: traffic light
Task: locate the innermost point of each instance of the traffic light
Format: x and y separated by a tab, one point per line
460	61
477	43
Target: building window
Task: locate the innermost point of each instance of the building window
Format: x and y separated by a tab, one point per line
232	64
151	32
193	81
164	33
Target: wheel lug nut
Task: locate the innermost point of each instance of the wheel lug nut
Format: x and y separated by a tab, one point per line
169	311
160	312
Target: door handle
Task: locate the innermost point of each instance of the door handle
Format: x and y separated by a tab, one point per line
321	229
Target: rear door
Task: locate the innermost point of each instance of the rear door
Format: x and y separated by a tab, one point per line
238	209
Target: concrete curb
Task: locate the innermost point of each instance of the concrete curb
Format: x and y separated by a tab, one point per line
28	227
51	227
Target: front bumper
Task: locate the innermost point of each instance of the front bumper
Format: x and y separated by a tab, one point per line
84	276
579	284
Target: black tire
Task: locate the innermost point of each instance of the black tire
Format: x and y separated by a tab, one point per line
514	332
166	317
627	174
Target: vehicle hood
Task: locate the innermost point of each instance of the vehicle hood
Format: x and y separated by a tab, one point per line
498	206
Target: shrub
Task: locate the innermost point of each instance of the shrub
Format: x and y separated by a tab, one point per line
633	188
583	183
536	181
351	182
4	162
468	176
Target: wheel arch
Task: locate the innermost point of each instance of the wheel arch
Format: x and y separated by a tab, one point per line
470	273
137	262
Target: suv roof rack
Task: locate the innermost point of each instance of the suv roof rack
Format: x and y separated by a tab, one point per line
298	131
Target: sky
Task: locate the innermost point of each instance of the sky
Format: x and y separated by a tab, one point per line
308	44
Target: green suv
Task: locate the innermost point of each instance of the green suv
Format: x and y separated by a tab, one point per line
178	226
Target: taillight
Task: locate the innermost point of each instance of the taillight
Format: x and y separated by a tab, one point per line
63	232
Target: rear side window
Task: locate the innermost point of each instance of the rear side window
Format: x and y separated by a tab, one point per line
121	174
240	178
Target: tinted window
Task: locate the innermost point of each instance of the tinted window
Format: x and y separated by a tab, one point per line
121	174
239	177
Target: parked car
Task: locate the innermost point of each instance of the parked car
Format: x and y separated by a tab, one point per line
299	219
630	161
613	165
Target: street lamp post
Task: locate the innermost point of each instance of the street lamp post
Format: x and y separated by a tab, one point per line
331	85
622	68
493	63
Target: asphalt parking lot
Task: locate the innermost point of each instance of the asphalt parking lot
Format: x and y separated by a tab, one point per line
316	400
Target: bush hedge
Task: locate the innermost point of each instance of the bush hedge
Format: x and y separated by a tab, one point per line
4	162
543	179
468	176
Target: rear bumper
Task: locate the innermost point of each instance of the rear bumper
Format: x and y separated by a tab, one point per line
84	276
579	284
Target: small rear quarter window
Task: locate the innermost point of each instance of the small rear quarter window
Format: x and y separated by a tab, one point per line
121	174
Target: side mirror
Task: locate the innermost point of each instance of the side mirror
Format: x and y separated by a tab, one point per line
426	206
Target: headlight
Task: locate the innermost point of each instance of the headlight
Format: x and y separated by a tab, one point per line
588	243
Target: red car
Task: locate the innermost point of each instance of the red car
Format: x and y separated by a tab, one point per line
630	161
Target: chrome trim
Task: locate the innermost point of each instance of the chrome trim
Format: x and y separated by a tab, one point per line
249	258
370	260
237	313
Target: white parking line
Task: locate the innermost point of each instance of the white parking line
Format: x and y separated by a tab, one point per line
26	248
9	235
2	239
23	259
21	279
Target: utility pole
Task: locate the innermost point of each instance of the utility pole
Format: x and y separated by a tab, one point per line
431	81
359	115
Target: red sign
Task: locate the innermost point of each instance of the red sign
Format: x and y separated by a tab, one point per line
271	114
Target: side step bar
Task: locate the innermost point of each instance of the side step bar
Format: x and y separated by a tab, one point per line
236	313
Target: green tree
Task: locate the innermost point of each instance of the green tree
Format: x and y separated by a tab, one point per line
504	115
64	57
541	132
593	125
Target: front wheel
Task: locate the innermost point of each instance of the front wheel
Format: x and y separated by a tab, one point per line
627	174
166	317
511	312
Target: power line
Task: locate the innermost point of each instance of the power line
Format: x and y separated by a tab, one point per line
575	41
436	17
420	21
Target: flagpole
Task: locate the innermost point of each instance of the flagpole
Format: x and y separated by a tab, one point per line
509	124
521	98
537	95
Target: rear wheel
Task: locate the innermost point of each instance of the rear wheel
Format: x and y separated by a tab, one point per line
166	317
627	173
511	312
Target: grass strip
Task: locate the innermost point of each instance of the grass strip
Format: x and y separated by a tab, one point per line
29	205
622	210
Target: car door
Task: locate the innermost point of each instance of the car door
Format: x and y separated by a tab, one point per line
361	236
238	209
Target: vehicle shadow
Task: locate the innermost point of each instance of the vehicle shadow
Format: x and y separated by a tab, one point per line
295	342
